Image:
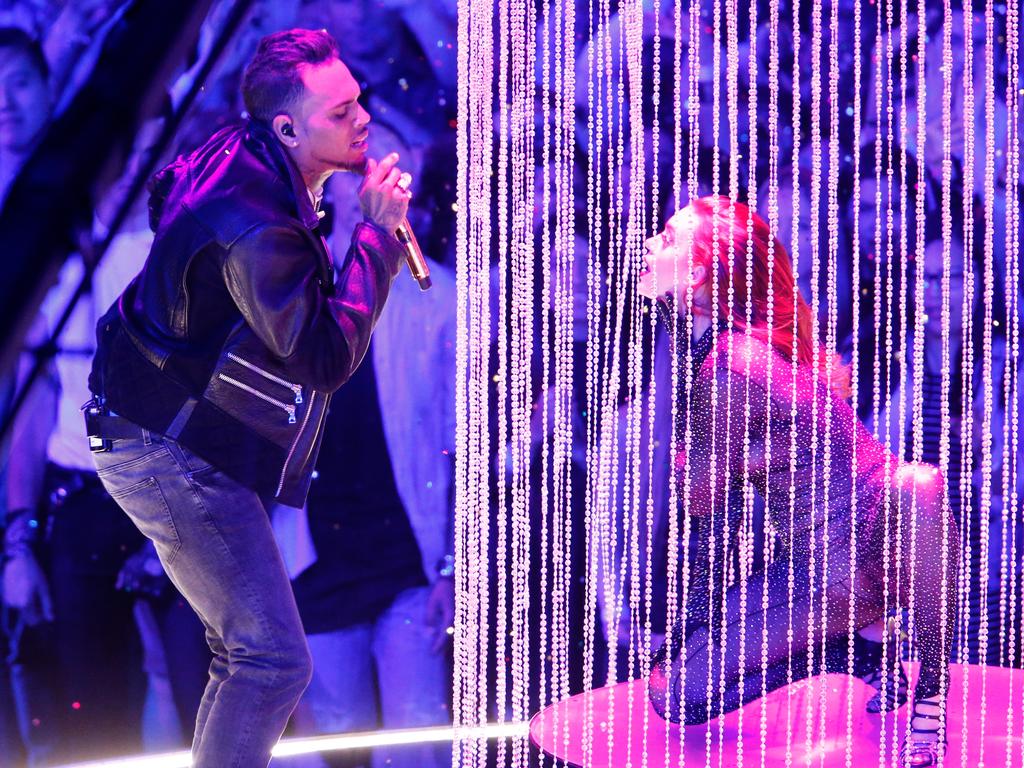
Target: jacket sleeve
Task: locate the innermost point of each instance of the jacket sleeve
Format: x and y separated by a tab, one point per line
273	276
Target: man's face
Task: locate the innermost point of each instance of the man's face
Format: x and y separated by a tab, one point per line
330	125
24	101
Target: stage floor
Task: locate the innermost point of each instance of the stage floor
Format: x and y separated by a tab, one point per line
989	730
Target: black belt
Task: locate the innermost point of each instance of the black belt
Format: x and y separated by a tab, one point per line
102	427
112	427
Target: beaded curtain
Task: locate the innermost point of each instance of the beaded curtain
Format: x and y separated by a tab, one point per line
879	140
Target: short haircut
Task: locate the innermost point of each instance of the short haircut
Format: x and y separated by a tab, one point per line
272	82
18	41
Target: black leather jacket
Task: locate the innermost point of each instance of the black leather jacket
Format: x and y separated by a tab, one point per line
235	334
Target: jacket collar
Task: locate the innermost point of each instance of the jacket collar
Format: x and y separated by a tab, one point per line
261	140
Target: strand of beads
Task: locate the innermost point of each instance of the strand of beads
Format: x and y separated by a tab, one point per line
773	229
612	364
919	286
988	300
1011	510
592	520
473	316
889	726
882	58
856	291
795	253
502	634
651	387
567	225
633	38
831	292
814	217
946	309
540	403
967	429
1005	474
1013	224
748	496
463	613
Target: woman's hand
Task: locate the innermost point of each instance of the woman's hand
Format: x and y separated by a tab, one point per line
441	611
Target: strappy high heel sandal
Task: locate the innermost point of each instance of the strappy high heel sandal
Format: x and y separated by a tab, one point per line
891	687
921	747
891	691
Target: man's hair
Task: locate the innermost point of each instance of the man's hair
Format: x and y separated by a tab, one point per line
272	82
20	42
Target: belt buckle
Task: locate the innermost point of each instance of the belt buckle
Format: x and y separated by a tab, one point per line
93	410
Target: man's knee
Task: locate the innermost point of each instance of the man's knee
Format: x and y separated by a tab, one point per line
300	666
284	666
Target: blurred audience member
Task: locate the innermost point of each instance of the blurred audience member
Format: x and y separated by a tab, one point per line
10	741
25	101
74	564
73	43
76	654
379	599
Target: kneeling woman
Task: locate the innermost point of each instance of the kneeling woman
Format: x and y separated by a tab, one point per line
753	416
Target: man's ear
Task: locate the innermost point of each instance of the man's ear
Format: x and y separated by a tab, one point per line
284	129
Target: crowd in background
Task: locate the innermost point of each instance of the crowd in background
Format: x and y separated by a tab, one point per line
100	654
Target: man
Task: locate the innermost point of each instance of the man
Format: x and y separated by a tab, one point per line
77	571
25	101
217	365
75	650
25	109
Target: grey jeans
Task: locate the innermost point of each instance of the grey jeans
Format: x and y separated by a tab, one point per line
215	541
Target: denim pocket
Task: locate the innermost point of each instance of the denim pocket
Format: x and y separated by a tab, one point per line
127	455
145	504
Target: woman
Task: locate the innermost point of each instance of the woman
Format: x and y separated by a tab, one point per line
752	415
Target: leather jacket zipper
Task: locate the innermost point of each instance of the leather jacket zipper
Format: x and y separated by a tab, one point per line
295	443
295	388
286	407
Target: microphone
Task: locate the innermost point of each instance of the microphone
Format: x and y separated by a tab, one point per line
413	255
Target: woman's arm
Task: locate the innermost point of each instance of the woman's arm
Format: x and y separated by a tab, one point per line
725	409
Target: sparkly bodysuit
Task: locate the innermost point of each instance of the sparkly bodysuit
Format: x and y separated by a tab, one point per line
751	417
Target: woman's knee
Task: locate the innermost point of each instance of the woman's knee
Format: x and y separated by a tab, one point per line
680	694
922	488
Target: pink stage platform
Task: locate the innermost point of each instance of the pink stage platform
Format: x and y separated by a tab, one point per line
640	739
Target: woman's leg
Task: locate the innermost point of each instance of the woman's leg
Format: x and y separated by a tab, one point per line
760	645
931	554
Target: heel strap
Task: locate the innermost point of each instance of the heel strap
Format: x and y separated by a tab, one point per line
917	713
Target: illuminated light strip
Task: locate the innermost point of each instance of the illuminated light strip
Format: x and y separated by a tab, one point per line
335	743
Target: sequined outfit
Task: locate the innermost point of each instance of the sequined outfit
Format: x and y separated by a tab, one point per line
751	416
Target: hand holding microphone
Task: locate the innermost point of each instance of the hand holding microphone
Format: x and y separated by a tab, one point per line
384	197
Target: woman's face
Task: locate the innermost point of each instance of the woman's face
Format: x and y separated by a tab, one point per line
667	269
